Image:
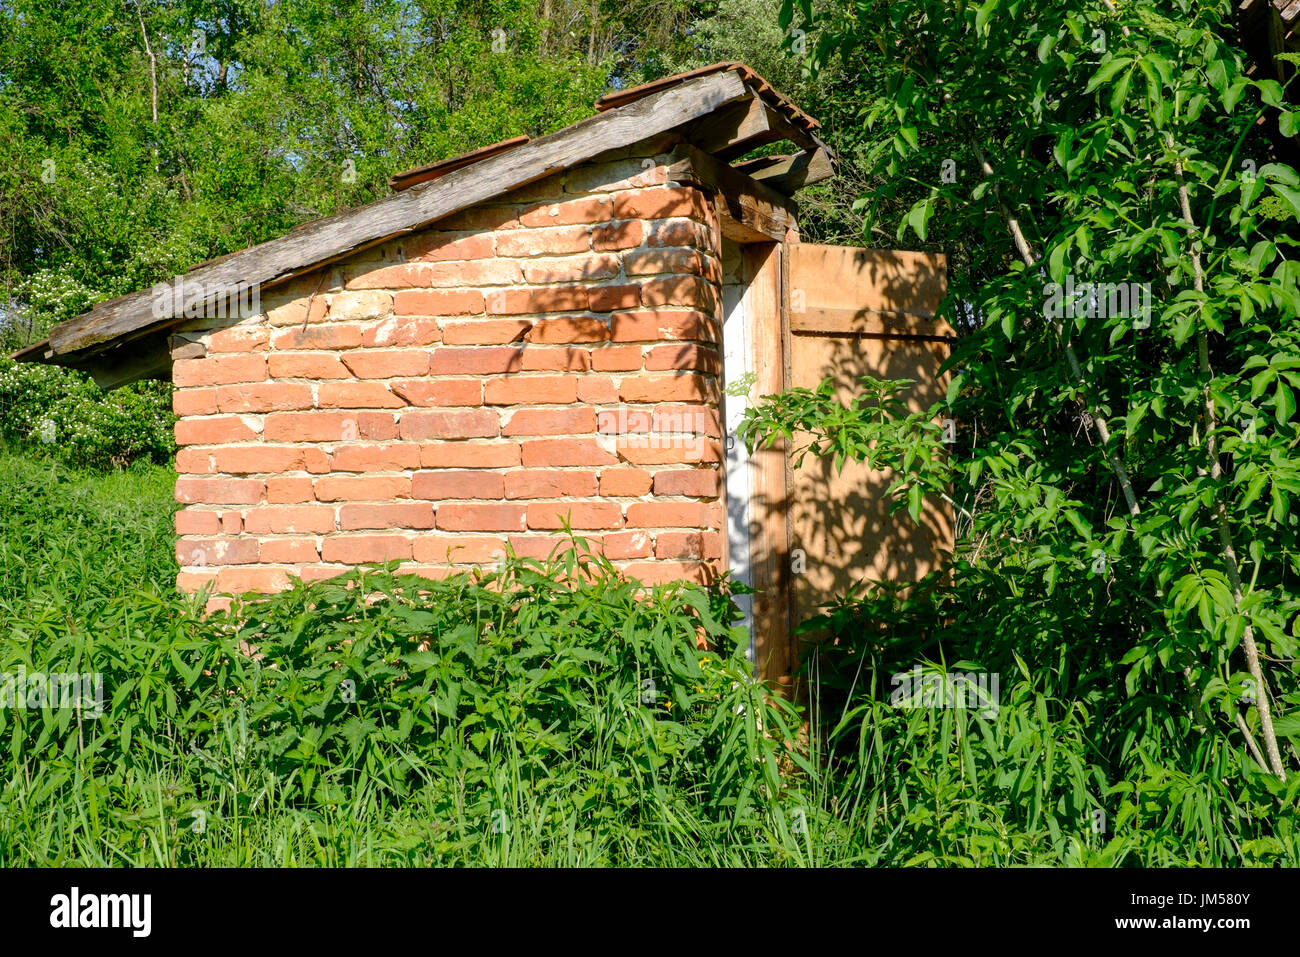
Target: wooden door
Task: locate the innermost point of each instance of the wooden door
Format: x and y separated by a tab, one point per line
852	313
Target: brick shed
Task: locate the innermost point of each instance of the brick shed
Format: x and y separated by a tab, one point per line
539	332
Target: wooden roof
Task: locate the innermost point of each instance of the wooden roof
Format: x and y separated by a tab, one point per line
726	109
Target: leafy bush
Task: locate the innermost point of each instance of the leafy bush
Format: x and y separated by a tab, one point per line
64	413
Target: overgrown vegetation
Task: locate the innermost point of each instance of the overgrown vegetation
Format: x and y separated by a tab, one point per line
542	717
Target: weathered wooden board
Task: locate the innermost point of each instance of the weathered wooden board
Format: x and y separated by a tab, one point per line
787	174
748	210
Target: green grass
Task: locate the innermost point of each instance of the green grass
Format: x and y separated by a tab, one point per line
510	722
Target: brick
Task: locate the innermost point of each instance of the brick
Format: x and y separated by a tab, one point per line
360	305
457	548
543	299
530	390
480	272
625	420
214	431
610	298
434	246
288	551
658	326
487	360
388	457
649	262
402	331
359	549
697	419
677	291
660	202
399	515
305	365
670	450
219	491
357	395
195	521
218	370
579	329
697	483
667	388
544	242
543	547
481	518
551	422
577	514
624	235
544	453
193	581
440	392
470	455
195	461
449	424
387	363
667	572
403	276
269	397
194	401
333	336
232	522
615	175
239	339
439	275
284	489
679	232
438	302
684	356
298	312
616	358
329	426
668	515
240	579
688	545
623	545
202	551
541	359
485	331
571	269
596	389
441	485
255	459
298	519
548	483
362	488
627	482
589	209
482	217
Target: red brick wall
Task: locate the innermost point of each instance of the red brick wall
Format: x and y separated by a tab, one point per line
554	354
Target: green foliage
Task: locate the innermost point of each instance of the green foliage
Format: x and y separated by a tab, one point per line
1124	144
549	699
63	414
